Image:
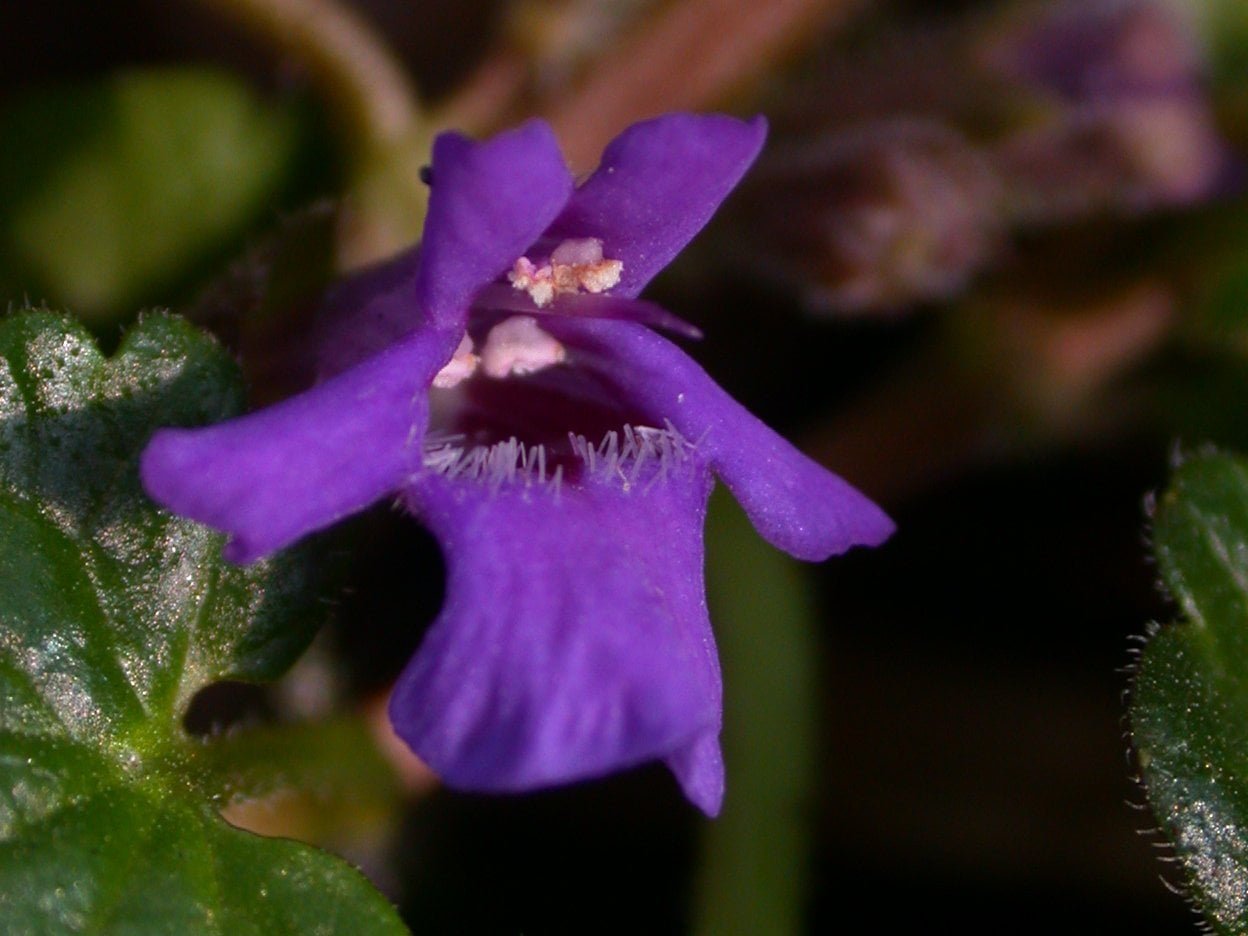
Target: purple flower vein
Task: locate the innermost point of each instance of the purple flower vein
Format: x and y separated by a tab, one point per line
504	379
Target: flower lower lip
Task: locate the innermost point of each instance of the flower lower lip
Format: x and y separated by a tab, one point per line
546	410
499	297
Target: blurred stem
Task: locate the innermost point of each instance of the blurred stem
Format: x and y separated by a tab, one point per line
690	56
378	115
755	856
332	754
1008	376
481	103
928	422
365	85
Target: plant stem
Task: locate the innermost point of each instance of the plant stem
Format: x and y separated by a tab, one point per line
689	55
753	874
366	87
692	55
380	125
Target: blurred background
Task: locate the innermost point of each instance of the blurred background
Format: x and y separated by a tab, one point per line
992	268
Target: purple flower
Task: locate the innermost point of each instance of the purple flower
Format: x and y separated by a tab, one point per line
505	381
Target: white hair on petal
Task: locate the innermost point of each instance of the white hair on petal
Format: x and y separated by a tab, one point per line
630	456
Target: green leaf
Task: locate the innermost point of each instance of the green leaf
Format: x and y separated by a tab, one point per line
113	191
1189	712
112	616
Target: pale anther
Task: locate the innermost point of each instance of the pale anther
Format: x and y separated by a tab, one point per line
459	368
518	346
576	265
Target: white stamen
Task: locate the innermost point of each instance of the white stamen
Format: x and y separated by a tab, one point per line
517	346
636	455
537	281
576	265
601	276
459	368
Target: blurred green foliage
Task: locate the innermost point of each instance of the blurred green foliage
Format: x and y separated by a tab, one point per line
1224	24
751	878
113	193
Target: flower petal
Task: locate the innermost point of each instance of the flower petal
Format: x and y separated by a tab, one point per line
658	184
488	203
569	645
500	298
274	475
367	312
795	503
699	769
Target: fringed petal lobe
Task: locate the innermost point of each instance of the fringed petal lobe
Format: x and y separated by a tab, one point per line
274	475
658	184
795	503
574	640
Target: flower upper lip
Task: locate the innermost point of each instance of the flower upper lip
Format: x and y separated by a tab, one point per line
492	203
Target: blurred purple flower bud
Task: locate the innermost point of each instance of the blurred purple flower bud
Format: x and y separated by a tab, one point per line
1130	157
883	217
1090	51
1130	129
